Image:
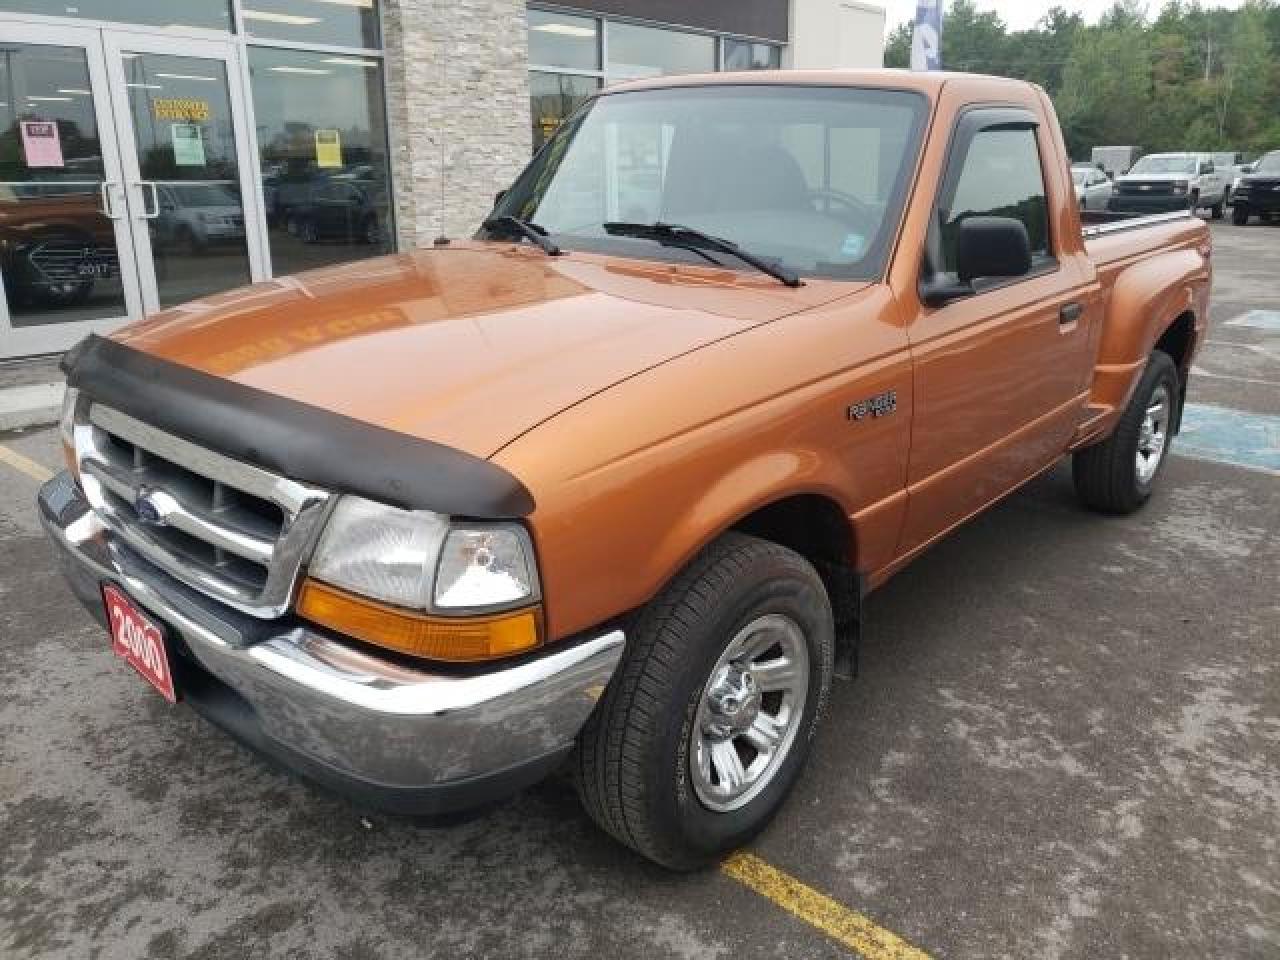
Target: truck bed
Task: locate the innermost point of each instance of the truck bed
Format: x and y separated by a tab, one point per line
1112	239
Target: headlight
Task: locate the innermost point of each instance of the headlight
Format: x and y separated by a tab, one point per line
381	552
485	567
420	583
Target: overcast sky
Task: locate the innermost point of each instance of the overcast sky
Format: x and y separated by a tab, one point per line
1020	14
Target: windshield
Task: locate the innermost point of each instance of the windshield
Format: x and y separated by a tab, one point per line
813	177
1269	164
1165	165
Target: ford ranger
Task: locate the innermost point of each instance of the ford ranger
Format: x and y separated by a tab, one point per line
605	485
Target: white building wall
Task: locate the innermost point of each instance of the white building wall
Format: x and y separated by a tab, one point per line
835	33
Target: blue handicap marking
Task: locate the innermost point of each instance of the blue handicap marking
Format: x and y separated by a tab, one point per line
1249	440
1259	320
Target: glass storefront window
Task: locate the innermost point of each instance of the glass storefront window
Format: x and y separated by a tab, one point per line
747	55
636	51
207	14
560	40
322	138
343	23
58	257
552	97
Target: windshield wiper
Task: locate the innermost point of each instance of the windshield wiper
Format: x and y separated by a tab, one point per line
675	235
530	231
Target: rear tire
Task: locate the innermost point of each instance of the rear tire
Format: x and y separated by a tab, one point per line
1119	474
642	767
1240	215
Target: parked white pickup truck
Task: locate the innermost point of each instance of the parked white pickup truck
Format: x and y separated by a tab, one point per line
1166	182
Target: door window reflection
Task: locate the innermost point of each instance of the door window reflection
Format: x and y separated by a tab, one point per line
182	126
323	154
58	255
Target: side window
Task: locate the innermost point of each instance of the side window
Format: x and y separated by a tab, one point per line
1000	177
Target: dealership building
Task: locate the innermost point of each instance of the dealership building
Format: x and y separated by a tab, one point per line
156	152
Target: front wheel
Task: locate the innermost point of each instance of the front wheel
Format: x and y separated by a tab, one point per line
1119	474
706	725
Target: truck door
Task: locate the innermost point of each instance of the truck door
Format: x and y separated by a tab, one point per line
1001	375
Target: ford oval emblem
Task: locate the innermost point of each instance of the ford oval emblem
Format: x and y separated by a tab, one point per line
148	511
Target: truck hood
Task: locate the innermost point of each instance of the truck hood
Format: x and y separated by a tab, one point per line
469	345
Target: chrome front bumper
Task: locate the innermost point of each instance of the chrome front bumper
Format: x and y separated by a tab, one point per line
403	738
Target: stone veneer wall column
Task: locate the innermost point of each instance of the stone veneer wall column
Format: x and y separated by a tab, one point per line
458	105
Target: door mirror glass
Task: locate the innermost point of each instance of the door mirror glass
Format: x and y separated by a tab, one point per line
992	247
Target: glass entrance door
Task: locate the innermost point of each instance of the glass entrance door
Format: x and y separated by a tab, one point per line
186	160
126	180
66	256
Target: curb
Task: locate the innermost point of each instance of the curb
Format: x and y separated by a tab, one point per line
38	405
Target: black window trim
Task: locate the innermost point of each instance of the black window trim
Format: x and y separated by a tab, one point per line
973	120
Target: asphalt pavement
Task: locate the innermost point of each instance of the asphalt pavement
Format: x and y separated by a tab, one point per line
1064	742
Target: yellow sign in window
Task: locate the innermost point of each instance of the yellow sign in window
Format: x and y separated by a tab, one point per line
328	148
180	108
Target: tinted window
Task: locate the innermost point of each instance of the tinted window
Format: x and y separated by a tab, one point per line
346	23
636	51
560	40
1001	177
746	55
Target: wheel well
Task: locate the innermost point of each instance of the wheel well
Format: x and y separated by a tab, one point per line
818	529
1176	341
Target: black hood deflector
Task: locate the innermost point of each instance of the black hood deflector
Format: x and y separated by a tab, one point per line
293	439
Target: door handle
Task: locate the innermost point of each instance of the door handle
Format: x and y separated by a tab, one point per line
1070	314
143	186
108	205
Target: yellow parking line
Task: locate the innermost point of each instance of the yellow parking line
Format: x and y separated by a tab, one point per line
837	921
22	464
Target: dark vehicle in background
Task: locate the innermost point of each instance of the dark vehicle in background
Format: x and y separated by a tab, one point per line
339	209
1258	194
1170	182
55	244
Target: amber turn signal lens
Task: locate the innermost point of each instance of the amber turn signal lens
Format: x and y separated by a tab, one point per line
460	639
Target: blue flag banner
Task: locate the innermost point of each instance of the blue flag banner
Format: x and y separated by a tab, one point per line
926	45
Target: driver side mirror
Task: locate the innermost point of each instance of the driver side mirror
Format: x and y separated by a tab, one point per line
987	248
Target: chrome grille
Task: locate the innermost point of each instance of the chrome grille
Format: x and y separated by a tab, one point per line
233	531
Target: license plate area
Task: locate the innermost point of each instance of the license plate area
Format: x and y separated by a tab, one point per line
138	640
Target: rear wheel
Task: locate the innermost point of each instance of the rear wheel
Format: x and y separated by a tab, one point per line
1240	215
1119	474
707	723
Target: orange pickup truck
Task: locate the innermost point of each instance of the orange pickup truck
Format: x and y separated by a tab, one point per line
607	484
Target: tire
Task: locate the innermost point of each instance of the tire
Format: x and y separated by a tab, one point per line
1218	210
634	762
1240	215
1108	476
